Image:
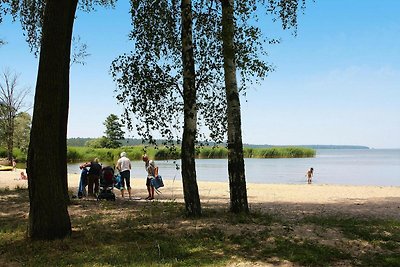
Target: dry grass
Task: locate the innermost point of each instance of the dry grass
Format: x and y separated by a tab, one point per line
141	233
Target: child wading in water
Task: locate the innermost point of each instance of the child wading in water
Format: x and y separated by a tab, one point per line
309	175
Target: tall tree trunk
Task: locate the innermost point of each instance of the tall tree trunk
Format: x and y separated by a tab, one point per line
190	189
237	180
46	166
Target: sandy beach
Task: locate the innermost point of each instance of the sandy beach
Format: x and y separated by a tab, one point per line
291	200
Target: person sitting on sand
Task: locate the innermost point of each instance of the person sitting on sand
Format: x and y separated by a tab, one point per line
309	175
23	176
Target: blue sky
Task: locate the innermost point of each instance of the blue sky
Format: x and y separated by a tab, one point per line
336	82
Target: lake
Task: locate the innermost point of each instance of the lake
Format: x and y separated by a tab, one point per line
380	167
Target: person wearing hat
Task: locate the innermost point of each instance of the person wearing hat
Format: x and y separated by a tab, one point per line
124	168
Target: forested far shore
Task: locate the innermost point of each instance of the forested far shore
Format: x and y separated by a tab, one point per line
76	154
82	141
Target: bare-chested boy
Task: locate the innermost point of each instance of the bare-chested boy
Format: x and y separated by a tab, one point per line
309	175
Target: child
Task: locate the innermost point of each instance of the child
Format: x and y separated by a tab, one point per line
23	176
309	175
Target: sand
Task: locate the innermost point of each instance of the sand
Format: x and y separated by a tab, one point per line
293	200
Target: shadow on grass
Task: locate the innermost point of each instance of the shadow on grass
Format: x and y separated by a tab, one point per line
139	233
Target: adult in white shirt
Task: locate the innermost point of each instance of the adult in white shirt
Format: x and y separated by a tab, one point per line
124	168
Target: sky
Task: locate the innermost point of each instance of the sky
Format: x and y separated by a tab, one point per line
336	83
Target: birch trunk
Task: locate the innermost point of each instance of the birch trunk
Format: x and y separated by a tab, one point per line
236	170
190	189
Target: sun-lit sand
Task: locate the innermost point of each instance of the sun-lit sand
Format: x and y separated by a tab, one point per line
296	199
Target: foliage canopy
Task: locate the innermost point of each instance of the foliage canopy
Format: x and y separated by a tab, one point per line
149	78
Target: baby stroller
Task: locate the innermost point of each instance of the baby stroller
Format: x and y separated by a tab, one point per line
106	184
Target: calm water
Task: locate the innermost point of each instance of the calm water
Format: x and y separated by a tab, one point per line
336	166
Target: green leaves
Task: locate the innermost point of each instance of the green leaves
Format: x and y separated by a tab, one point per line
31	13
149	79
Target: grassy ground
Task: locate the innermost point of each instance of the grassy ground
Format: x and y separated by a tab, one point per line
139	233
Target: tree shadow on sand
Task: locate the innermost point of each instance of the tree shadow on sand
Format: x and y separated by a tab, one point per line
145	233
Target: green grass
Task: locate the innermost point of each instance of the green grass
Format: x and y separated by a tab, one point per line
162	153
279	152
365	229
379	233
76	154
139	233
306	252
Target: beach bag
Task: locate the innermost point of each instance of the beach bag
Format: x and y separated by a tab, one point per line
157	182
117	181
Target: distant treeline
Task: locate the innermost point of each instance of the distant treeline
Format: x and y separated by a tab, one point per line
76	154
81	141
135	142
335	147
312	146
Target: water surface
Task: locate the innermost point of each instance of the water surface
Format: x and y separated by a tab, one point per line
379	167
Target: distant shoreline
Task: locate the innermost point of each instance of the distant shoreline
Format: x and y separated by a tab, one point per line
81	141
311	146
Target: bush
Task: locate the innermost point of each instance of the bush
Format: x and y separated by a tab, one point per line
212	152
166	153
284	152
73	154
248	152
18	154
3	152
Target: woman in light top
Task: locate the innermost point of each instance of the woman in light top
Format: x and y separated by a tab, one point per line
151	174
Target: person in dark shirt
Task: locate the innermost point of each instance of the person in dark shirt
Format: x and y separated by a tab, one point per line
93	176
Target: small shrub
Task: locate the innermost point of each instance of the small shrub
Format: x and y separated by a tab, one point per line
3	152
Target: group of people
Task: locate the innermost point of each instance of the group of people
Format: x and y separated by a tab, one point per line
91	176
22	175
91	171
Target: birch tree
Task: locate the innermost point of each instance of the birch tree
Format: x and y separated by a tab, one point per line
286	10
190	189
12	98
150	81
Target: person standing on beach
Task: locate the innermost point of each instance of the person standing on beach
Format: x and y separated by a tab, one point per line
124	168
93	176
150	169
14	165
309	175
